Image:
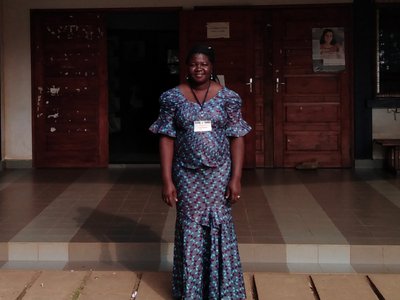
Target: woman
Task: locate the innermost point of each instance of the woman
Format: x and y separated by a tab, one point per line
202	149
329	48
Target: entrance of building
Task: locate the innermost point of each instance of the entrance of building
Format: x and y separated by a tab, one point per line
97	78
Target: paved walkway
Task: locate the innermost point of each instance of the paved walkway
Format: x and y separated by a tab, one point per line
125	285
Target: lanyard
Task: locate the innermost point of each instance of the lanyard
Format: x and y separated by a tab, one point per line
205	96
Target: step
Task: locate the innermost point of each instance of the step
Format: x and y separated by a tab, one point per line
162	253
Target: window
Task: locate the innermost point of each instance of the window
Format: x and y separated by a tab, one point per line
387	89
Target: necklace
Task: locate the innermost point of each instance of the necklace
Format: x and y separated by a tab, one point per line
205	96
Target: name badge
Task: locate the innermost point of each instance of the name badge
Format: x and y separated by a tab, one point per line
202	126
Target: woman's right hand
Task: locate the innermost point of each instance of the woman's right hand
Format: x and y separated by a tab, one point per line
168	194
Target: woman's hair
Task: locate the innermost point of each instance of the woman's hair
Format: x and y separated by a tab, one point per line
322	39
207	51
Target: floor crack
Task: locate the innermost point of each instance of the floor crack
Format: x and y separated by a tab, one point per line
35	276
136	286
78	291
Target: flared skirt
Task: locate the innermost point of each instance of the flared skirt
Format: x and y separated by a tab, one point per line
206	257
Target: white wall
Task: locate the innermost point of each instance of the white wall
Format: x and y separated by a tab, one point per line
385	124
16	67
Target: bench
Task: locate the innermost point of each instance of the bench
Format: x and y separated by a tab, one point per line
392	153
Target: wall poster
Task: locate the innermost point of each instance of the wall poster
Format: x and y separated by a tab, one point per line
328	49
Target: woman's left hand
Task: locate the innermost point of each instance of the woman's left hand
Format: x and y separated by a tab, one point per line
233	191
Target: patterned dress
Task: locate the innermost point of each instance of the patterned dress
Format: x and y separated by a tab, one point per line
206	257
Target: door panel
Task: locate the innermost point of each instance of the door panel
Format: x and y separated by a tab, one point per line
234	57
312	111
300	141
69	89
310	85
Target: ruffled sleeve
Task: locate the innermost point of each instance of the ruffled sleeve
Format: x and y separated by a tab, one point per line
165	123
236	126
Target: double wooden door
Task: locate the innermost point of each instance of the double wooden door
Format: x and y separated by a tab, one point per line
298	115
301	116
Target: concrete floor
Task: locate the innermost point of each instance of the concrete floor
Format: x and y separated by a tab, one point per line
335	230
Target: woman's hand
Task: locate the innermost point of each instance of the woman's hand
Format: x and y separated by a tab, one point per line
168	194
237	153
233	190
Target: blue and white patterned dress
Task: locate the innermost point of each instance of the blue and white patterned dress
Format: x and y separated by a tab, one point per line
206	257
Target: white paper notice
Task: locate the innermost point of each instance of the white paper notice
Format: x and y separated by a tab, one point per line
216	30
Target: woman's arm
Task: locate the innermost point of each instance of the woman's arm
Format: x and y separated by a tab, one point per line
237	155
166	154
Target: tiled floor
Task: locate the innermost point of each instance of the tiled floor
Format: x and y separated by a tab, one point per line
310	220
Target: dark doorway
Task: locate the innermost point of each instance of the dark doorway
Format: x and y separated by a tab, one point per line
142	63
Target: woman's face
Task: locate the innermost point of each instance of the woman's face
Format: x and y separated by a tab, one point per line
328	37
200	68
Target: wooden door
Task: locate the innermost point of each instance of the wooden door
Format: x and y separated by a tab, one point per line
69	102
312	109
234	55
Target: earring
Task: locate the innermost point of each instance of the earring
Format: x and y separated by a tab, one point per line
212	77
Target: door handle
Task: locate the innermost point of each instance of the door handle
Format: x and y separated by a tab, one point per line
250	84
277	83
